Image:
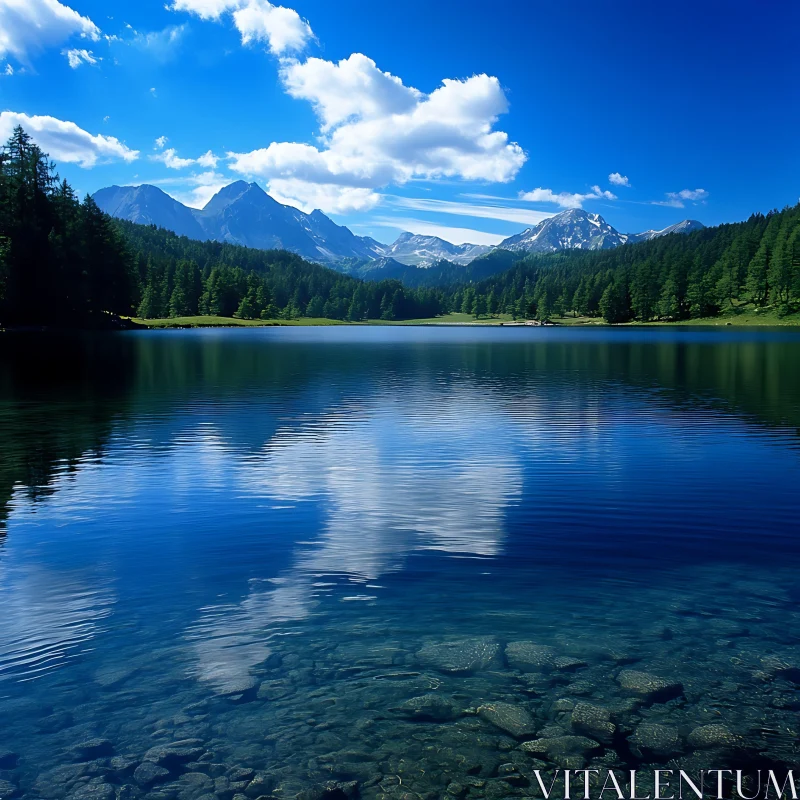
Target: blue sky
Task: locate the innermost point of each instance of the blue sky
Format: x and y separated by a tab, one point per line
469	120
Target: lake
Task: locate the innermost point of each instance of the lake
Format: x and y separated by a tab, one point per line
275	562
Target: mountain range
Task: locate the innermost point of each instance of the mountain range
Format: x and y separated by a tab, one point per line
243	213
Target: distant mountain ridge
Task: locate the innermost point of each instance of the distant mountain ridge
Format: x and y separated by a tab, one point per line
418	250
576	229
686	226
244	214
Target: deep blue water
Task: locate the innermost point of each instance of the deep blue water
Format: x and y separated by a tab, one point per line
261	539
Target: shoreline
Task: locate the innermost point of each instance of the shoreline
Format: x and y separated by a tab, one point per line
744	321
749	321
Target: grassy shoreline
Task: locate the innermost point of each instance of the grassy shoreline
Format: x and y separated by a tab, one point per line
748	319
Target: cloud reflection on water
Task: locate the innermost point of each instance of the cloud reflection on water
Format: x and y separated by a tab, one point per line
392	481
49	618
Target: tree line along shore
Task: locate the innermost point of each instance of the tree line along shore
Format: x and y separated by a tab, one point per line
64	263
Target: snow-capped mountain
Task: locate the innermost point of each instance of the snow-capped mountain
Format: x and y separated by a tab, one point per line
686	226
242	213
577	229
574	229
423	251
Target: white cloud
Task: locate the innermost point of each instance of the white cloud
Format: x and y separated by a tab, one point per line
171	160
206	9
9	70
203	186
283	30
378	132
161	46
161	142
618	180
679	199
29	26
375	130
77	57
333	198
206	185
65	141
565	199
352	89
454	235
523	216
207	160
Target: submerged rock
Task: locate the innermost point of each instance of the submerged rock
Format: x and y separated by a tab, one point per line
594	648
653	739
564	750
532	657
8	759
708	737
91	750
512	719
114	677
529	656
649	687
235	687
274	690
148	773
462	656
332	790
568	663
7	790
176	753
593	721
94	791
262	784
430	707
55	722
55	782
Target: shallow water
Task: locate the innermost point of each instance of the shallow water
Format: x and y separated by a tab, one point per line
274	542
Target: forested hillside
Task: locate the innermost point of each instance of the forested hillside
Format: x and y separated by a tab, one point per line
677	277
61	261
66	263
184	277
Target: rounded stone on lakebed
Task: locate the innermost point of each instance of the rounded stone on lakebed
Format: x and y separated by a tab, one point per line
176	753
593	721
708	737
529	656
512	719
561	746
649	687
430	707
92	749
94	791
462	655
7	790
659	740
148	773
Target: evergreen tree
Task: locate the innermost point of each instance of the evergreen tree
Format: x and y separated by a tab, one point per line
758	275
63	262
615	303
